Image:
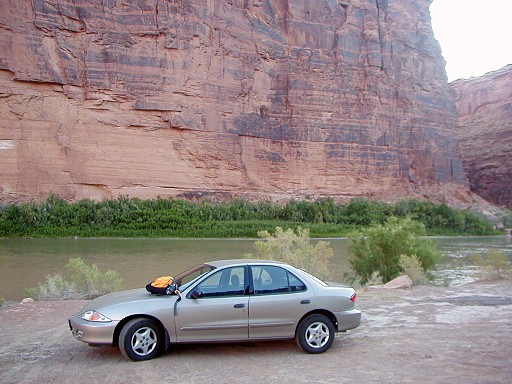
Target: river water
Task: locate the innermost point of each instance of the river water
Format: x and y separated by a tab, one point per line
24	263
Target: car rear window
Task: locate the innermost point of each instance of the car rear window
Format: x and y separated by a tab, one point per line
269	280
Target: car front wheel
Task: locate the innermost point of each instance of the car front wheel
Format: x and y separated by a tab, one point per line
140	339
315	334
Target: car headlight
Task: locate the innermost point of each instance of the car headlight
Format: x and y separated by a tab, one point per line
95	316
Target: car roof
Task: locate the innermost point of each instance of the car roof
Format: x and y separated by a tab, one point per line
223	263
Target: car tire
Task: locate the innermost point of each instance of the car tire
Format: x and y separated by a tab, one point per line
141	339
315	334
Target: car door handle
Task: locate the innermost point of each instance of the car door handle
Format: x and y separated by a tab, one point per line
307	301
239	305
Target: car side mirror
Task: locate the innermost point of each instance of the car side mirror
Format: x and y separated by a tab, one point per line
196	294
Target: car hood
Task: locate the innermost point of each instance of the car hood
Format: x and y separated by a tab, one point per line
134	298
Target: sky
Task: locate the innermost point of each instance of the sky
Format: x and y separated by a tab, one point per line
475	35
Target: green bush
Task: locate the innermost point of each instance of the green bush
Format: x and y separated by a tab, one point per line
84	281
378	249
159	217
411	266
507	220
440	219
295	249
89	279
365	212
55	288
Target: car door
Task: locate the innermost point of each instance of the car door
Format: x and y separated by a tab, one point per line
278	302
219	311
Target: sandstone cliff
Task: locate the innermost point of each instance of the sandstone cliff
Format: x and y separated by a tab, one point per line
256	98
485	132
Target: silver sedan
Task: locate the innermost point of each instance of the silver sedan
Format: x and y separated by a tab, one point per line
221	301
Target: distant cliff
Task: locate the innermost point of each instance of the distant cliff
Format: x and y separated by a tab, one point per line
485	132
256	98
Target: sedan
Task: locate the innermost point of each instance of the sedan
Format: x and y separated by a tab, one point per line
221	301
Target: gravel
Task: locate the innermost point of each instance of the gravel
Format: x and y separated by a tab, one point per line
419	335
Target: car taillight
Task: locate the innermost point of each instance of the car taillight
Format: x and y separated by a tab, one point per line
353	297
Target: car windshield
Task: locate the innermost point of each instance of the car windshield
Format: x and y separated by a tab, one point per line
185	279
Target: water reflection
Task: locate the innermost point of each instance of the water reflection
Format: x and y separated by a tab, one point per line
25	263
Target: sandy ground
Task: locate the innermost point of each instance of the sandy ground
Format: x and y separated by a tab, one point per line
418	335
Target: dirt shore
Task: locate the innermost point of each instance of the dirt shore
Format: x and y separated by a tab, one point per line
418	335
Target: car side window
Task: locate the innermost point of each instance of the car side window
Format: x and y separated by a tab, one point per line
296	285
226	282
269	280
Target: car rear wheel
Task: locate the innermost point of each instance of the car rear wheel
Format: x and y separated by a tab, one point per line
315	334
140	339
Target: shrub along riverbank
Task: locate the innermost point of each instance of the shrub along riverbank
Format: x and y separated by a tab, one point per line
131	217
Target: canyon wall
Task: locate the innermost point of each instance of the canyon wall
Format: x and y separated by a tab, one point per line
485	132
251	98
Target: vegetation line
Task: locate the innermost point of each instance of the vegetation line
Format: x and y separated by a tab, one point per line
132	217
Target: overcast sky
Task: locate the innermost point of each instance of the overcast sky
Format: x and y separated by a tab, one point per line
475	35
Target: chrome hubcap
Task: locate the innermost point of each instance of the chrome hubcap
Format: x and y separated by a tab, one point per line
144	341
317	335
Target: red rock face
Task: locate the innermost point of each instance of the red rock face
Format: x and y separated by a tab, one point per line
485	132
255	98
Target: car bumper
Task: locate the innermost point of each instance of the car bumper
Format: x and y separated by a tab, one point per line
92	332
348	319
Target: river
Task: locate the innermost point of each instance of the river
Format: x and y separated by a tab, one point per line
24	263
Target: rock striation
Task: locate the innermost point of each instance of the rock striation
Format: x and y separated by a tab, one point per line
484	106
255	98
